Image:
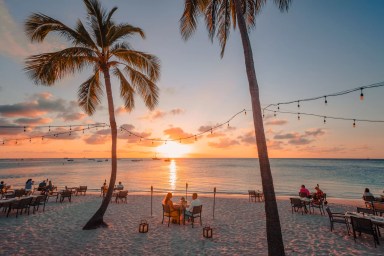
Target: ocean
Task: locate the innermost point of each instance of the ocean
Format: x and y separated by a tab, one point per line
339	178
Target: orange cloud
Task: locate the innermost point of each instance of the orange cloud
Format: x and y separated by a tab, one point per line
223	143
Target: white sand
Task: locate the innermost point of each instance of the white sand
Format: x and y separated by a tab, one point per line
238	229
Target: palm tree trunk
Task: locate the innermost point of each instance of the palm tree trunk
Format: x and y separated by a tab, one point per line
274	236
97	219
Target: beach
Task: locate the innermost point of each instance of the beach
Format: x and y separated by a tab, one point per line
238	229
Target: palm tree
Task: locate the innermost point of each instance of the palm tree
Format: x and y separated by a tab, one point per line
219	14
100	45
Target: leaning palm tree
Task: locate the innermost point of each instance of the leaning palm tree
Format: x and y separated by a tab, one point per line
100	46
219	15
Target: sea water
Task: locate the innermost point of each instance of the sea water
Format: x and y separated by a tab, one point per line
339	178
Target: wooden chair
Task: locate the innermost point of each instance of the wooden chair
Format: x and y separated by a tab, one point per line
166	213
319	203
297	204
368	200
81	190
337	217
19	192
378	208
65	194
196	213
121	195
366	210
253	196
37	201
22	204
365	226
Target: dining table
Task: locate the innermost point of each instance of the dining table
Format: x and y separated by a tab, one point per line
181	207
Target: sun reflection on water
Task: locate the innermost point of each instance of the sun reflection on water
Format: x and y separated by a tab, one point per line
172	174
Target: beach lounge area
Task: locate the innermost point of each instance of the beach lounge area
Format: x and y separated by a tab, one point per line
238	229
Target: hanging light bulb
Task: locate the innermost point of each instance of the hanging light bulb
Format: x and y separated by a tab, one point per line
325	100
211	131
361	94
42	138
228	125
354	123
298	116
195	138
274	113
70	128
298	104
325	119
49	128
245	112
278	106
24	128
30	140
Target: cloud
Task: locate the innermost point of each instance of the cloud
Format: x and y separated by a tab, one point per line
223	143
276	122
248	138
32	121
286	136
1	88
300	139
176	133
13	41
274	144
97	139
121	110
177	111
315	132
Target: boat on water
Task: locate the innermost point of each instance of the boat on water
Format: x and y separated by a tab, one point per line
136	160
167	160
155	158
70	160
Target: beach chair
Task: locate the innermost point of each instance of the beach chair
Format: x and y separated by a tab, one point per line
22	204
81	190
337	217
368	200
317	204
167	213
37	201
365	226
65	194
297	204
196	213
19	192
379	208
121	195
366	210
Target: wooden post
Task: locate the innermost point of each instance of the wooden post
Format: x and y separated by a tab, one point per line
151	198
186	191
214	201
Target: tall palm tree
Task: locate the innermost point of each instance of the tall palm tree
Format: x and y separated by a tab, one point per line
219	15
99	45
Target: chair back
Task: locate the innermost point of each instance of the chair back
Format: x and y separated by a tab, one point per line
19	192
82	188
329	213
66	193
166	209
252	192
296	202
378	207
302	194
369	198
362	225
197	210
365	211
122	194
25	202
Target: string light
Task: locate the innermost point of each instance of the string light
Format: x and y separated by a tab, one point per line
325	100
325	119
371	86
298	104
354	123
298	116
361	94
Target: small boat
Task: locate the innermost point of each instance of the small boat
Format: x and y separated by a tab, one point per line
136	160
167	160
99	160
106	160
70	160
155	158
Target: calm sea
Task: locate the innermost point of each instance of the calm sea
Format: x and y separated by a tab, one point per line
340	178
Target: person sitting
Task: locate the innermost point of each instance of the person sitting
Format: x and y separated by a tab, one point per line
175	214
304	192
120	186
28	186
195	202
42	186
49	188
2	187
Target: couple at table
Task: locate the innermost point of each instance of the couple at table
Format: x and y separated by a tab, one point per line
175	213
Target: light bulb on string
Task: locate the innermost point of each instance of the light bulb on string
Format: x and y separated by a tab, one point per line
325	119
24	128
195	138
245	112
278	106
228	125
70	128
49	128
354	123
16	142
361	94
211	131
42	138
325	100
298	116
298	104
274	113
30	140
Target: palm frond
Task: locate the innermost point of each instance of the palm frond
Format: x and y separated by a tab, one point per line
233	11
126	90
147	89
210	18
224	22
144	62
122	31
86	37
89	93
188	21
283	4
47	68
97	21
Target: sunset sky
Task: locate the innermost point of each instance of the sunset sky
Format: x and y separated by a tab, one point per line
316	48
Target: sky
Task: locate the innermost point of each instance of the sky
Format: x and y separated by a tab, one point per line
314	49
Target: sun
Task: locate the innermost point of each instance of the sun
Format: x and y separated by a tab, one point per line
173	150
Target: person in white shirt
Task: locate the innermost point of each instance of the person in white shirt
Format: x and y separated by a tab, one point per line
195	202
120	186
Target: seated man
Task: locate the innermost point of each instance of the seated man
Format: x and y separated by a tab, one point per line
120	186
304	192
195	202
42	186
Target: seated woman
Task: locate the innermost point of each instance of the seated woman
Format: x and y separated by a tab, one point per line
318	195
304	192
175	214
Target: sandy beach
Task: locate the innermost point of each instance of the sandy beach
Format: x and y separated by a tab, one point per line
238	229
